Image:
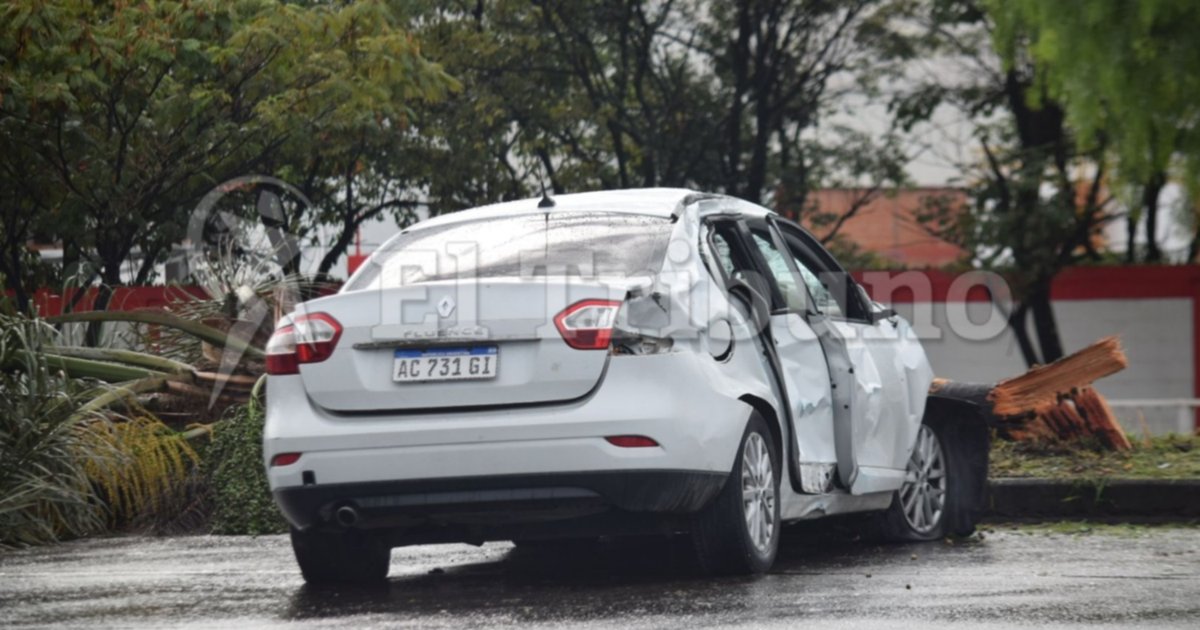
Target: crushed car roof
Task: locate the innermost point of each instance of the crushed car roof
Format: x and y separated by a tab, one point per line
661	202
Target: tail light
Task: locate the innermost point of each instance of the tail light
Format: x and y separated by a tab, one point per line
285	459
588	325
306	339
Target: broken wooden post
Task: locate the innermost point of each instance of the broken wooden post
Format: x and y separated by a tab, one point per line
1050	402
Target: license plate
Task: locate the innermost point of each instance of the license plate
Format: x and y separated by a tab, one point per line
446	364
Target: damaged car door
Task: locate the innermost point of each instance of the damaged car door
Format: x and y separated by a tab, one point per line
890	375
853	376
798	344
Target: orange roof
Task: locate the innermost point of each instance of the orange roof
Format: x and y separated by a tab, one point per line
886	224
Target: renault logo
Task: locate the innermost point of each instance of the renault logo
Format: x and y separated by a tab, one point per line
445	306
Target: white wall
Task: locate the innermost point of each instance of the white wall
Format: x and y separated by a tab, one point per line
1157	336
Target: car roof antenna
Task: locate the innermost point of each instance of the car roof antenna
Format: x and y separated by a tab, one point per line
547	201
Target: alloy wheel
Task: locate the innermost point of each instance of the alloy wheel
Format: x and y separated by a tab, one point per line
758	492
923	494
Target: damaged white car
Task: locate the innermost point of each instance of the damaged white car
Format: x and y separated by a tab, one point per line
603	364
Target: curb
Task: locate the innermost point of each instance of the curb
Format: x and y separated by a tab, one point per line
1162	498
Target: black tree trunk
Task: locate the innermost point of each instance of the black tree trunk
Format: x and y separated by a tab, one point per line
1017	324
1044	323
14	273
1150	196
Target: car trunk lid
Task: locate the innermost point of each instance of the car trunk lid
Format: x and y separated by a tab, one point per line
515	316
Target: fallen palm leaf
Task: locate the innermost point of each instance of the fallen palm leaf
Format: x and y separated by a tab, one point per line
233	381
127	357
109	396
162	318
87	368
148	471
187	389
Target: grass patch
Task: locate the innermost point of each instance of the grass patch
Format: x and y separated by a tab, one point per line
1168	457
1086	528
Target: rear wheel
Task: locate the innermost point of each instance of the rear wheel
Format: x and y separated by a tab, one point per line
738	532
935	499
350	556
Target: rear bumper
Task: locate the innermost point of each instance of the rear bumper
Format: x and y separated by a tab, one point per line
682	402
517	473
500	500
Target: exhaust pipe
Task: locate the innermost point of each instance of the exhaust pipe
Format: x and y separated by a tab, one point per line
346	516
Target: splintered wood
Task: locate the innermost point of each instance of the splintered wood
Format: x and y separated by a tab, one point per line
1101	419
1081	413
1043	384
1056	402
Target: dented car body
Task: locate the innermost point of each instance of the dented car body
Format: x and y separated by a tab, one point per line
599	364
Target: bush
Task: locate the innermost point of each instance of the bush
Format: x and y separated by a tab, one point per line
70	466
241	498
45	493
150	484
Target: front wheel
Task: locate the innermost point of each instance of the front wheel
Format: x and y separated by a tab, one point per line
937	498
738	532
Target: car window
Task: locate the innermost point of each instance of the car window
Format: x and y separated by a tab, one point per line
822	297
592	244
736	261
793	294
724	253
830	286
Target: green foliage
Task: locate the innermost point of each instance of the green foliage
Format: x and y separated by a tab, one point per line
721	96
1127	70
1038	199
45	492
115	118
69	466
127	357
147	481
241	498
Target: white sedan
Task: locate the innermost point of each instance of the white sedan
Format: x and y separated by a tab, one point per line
602	364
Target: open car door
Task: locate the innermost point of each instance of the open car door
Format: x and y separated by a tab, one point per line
889	373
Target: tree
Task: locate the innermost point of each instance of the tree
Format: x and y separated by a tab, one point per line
650	102
374	162
782	66
572	95
615	93
24	201
1124	73
1038	199
486	143
134	111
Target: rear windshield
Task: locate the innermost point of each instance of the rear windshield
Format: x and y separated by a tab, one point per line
570	243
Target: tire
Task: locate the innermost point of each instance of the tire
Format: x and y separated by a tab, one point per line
943	486
344	557
725	541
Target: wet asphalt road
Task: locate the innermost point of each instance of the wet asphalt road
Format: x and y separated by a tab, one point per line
1011	578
